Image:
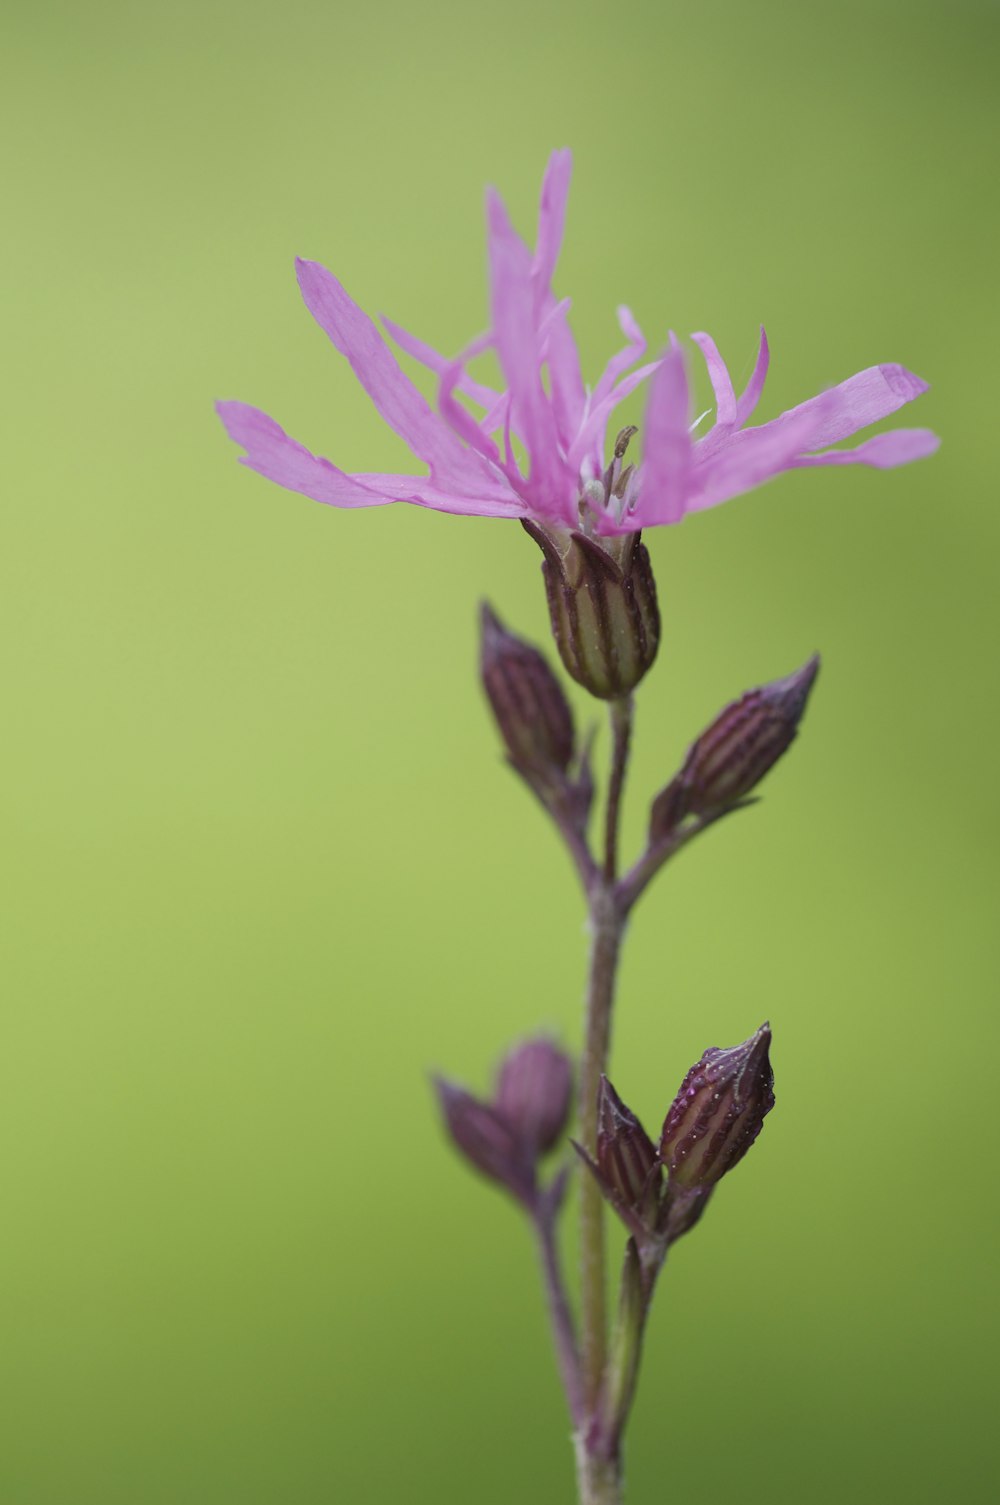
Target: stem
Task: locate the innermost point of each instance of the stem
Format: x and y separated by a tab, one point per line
634	883
621	730
599	1480
560	1315
606	934
607	925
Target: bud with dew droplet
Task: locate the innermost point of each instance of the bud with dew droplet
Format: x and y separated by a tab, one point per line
734	753
714	1119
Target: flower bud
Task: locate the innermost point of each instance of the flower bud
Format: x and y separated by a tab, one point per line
533	1093
506	1138
717	1114
733	754
531	711
626	1169
602	604
487	1140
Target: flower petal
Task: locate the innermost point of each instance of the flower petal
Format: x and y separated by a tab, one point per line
853	404
551	221
667	448
750	395
514	325
754	455
633	351
590	439
394	395
718	375
417	489
568	395
434	361
274	454
898	447
459	418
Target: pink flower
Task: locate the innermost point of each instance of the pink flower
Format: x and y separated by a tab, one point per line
558	422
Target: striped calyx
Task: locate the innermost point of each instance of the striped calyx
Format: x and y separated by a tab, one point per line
531	711
732	755
602	605
717	1114
626	1167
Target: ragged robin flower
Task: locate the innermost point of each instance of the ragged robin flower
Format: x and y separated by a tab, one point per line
567	481
535	448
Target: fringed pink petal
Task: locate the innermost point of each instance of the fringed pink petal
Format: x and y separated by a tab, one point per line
436	362
551	223
749	398
667	449
618	364
459	419
417	489
394	395
277	456
755	455
898	447
568	394
852	405
514	325
590	440
722	382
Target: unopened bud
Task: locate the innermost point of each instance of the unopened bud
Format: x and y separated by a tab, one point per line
531	711
717	1114
506	1138
732	755
602	603
626	1168
487	1140
533	1093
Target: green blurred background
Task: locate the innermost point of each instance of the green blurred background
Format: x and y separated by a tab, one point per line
263	867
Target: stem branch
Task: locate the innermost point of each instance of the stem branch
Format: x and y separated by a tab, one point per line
560	1316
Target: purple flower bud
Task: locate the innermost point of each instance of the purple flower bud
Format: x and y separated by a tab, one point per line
533	1093
602	604
626	1156
717	1114
531	710
487	1140
732	755
626	1168
506	1138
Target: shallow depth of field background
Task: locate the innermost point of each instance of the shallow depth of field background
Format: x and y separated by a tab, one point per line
262	866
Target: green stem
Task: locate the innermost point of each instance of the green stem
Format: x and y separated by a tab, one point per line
606	934
599	1480
621	731
606	926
